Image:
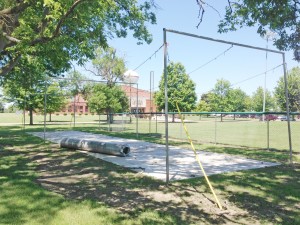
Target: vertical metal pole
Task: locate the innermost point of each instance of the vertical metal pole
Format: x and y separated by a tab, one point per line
74	106
137	110
215	129
108	121
99	119
151	77
130	103
265	83
268	134
156	121
45	114
24	113
166	105
287	107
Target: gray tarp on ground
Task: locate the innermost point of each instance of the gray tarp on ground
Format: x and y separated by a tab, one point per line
117	149
150	159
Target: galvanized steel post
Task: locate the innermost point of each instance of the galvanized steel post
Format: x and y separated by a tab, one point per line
137	110
166	105
287	106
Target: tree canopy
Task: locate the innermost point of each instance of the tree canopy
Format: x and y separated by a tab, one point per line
278	16
181	89
219	96
58	32
103	98
257	101
293	79
108	65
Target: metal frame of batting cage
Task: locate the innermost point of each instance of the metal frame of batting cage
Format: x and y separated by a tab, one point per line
117	82
85	80
224	42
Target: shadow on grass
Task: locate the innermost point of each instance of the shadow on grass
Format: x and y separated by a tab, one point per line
269	194
77	177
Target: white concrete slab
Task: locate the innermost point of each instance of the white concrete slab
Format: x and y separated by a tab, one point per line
150	158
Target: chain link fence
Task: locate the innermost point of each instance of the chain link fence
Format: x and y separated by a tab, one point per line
251	130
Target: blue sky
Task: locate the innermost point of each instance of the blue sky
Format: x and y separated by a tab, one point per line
236	65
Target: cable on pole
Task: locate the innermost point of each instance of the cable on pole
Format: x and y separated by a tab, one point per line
149	58
257	75
215	58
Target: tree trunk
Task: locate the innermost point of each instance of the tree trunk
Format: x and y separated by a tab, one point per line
109	117
233	116
173	118
221	117
30	116
50	119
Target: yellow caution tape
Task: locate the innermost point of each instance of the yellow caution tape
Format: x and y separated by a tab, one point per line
197	158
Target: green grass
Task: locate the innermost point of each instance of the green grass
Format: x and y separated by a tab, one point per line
42	184
24	201
249	133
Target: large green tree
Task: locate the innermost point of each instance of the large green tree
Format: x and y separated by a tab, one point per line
26	86
224	98
73	83
278	16
57	32
108	65
238	100
202	106
257	101
293	79
109	99
181	89
55	100
218	97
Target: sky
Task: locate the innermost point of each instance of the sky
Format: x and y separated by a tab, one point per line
236	65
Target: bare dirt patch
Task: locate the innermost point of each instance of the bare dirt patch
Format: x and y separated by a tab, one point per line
79	176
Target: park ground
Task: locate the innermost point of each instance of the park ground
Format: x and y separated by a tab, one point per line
43	184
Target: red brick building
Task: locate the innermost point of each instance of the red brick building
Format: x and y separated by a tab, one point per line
77	104
145	103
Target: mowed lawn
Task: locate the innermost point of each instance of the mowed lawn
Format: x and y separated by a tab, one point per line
250	133
43	184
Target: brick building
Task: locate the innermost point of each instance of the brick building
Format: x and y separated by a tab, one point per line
144	102
77	104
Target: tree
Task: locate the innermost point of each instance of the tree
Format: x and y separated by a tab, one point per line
181	89
74	83
257	100
103	98
278	16
109	66
58	32
238	100
26	86
55	100
218	97
224	98
1	106
293	80
202	106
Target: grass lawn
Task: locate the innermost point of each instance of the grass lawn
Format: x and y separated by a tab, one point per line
42	184
240	132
